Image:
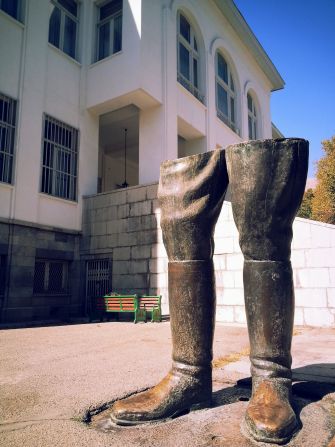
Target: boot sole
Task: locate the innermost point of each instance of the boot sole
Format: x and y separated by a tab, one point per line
193	407
256	436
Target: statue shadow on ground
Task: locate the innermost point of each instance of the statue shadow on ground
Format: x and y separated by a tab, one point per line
311	383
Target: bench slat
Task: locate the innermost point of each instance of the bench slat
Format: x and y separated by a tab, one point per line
139	305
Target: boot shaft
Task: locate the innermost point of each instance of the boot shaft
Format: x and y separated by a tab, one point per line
191	192
269	304
192	302
267	180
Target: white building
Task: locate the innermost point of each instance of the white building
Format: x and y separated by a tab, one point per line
95	95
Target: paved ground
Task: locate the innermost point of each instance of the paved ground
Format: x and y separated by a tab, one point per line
50	377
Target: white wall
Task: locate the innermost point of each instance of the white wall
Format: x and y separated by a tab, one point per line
43	80
313	262
144	73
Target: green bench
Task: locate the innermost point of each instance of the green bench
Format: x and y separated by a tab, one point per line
151	304
139	305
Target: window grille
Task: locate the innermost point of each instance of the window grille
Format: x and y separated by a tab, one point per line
109	28
12	8
51	277
98	277
252	118
188	58
60	159
63	26
7	137
225	93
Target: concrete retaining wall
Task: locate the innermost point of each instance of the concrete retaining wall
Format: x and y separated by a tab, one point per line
125	225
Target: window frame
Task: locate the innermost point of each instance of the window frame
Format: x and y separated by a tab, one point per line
109	19
193	53
20	8
65	286
230	89
63	14
52	169
253	117
9	127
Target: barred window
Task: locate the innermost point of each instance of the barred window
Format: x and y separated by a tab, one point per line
225	93
60	159
109	29
12	8
7	137
63	26
51	277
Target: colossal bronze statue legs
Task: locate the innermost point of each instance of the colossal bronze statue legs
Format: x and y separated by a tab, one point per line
191	192
267	181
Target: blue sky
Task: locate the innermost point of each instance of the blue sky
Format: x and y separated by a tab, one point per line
299	37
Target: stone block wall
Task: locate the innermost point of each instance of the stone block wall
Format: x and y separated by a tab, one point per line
124	225
21	244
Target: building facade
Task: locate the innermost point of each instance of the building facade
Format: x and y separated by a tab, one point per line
94	95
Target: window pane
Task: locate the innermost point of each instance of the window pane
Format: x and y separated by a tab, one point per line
7	137
222	100
222	69
195	73
185	29
4	139
250	128
195	45
6	168
70	32
255	133
110	8
59	167
232	110
117	34
104	37
184	61
232	83
11	7
69	5
249	102
55	277
54	27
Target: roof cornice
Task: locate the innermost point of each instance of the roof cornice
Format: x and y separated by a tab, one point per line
238	23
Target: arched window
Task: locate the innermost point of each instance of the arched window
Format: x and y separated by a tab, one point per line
252	118
188	57
225	93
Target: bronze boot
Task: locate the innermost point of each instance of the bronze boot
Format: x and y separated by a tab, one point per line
191	193
269	301
267	181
